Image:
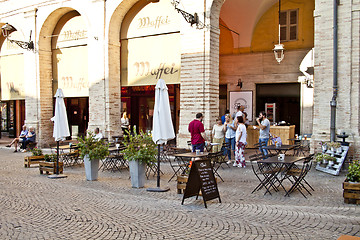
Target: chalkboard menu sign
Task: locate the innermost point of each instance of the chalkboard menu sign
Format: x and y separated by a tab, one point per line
202	178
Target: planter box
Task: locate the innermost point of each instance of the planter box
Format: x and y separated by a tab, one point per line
137	174
91	168
50	167
33	160
351	192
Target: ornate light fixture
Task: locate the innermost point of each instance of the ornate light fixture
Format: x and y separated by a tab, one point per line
192	19
279	48
7	29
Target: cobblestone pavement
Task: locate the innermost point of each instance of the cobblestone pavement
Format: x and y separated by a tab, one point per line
36	207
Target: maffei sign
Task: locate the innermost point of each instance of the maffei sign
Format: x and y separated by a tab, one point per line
150	45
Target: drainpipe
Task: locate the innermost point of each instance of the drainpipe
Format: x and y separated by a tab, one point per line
335	70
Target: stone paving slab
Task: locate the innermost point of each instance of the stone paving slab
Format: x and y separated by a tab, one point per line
36	207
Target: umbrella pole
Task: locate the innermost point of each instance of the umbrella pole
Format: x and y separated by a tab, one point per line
158	167
57	157
158	189
57	175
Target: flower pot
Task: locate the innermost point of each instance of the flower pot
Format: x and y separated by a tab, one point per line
333	149
137	174
325	161
91	168
339	150
323	148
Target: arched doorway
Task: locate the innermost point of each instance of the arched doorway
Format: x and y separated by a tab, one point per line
12	79
150	50
70	69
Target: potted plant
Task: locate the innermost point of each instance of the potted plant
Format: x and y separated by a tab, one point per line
351	184
50	157
36	157
324	158
323	146
92	150
334	146
330	159
140	151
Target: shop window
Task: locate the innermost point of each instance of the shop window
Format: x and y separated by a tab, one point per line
289	25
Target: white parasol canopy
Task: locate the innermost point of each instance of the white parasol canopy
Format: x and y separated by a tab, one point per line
61	127
163	129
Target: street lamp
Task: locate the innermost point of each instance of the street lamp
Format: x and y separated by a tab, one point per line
279	48
7	29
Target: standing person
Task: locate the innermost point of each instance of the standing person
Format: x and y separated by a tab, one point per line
240	110
197	131
229	135
240	143
125	125
30	137
19	139
246	120
264	127
223	117
218	135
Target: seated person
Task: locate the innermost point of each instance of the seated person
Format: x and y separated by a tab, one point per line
98	134
20	139
30	137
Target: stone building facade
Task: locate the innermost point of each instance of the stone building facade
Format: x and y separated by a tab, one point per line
212	58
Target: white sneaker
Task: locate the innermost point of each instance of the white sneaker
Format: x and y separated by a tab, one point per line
235	164
228	162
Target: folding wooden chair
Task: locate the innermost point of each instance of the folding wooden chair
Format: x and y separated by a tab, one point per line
265	173
216	160
297	176
176	164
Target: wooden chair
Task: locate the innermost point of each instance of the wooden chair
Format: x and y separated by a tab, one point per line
297	176
176	164
215	159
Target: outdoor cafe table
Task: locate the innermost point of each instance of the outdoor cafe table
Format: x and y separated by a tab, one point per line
279	149
115	161
63	148
272	168
185	158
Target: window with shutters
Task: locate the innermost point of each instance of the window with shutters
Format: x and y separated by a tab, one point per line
289	25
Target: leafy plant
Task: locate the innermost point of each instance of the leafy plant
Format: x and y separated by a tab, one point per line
334	144
329	158
323	156
140	147
354	172
36	151
95	149
50	157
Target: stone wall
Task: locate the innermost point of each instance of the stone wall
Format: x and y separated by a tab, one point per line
347	110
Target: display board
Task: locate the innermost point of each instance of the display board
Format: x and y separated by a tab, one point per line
334	168
202	178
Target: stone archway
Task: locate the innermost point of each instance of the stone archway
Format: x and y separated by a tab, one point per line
40	108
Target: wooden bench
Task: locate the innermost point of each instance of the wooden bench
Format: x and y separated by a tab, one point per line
50	167
33	160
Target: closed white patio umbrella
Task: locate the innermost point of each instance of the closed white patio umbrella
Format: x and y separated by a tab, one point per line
163	129
61	127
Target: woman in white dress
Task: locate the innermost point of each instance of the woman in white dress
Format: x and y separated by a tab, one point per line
240	143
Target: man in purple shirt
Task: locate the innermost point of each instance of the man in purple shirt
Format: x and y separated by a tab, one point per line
198	136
